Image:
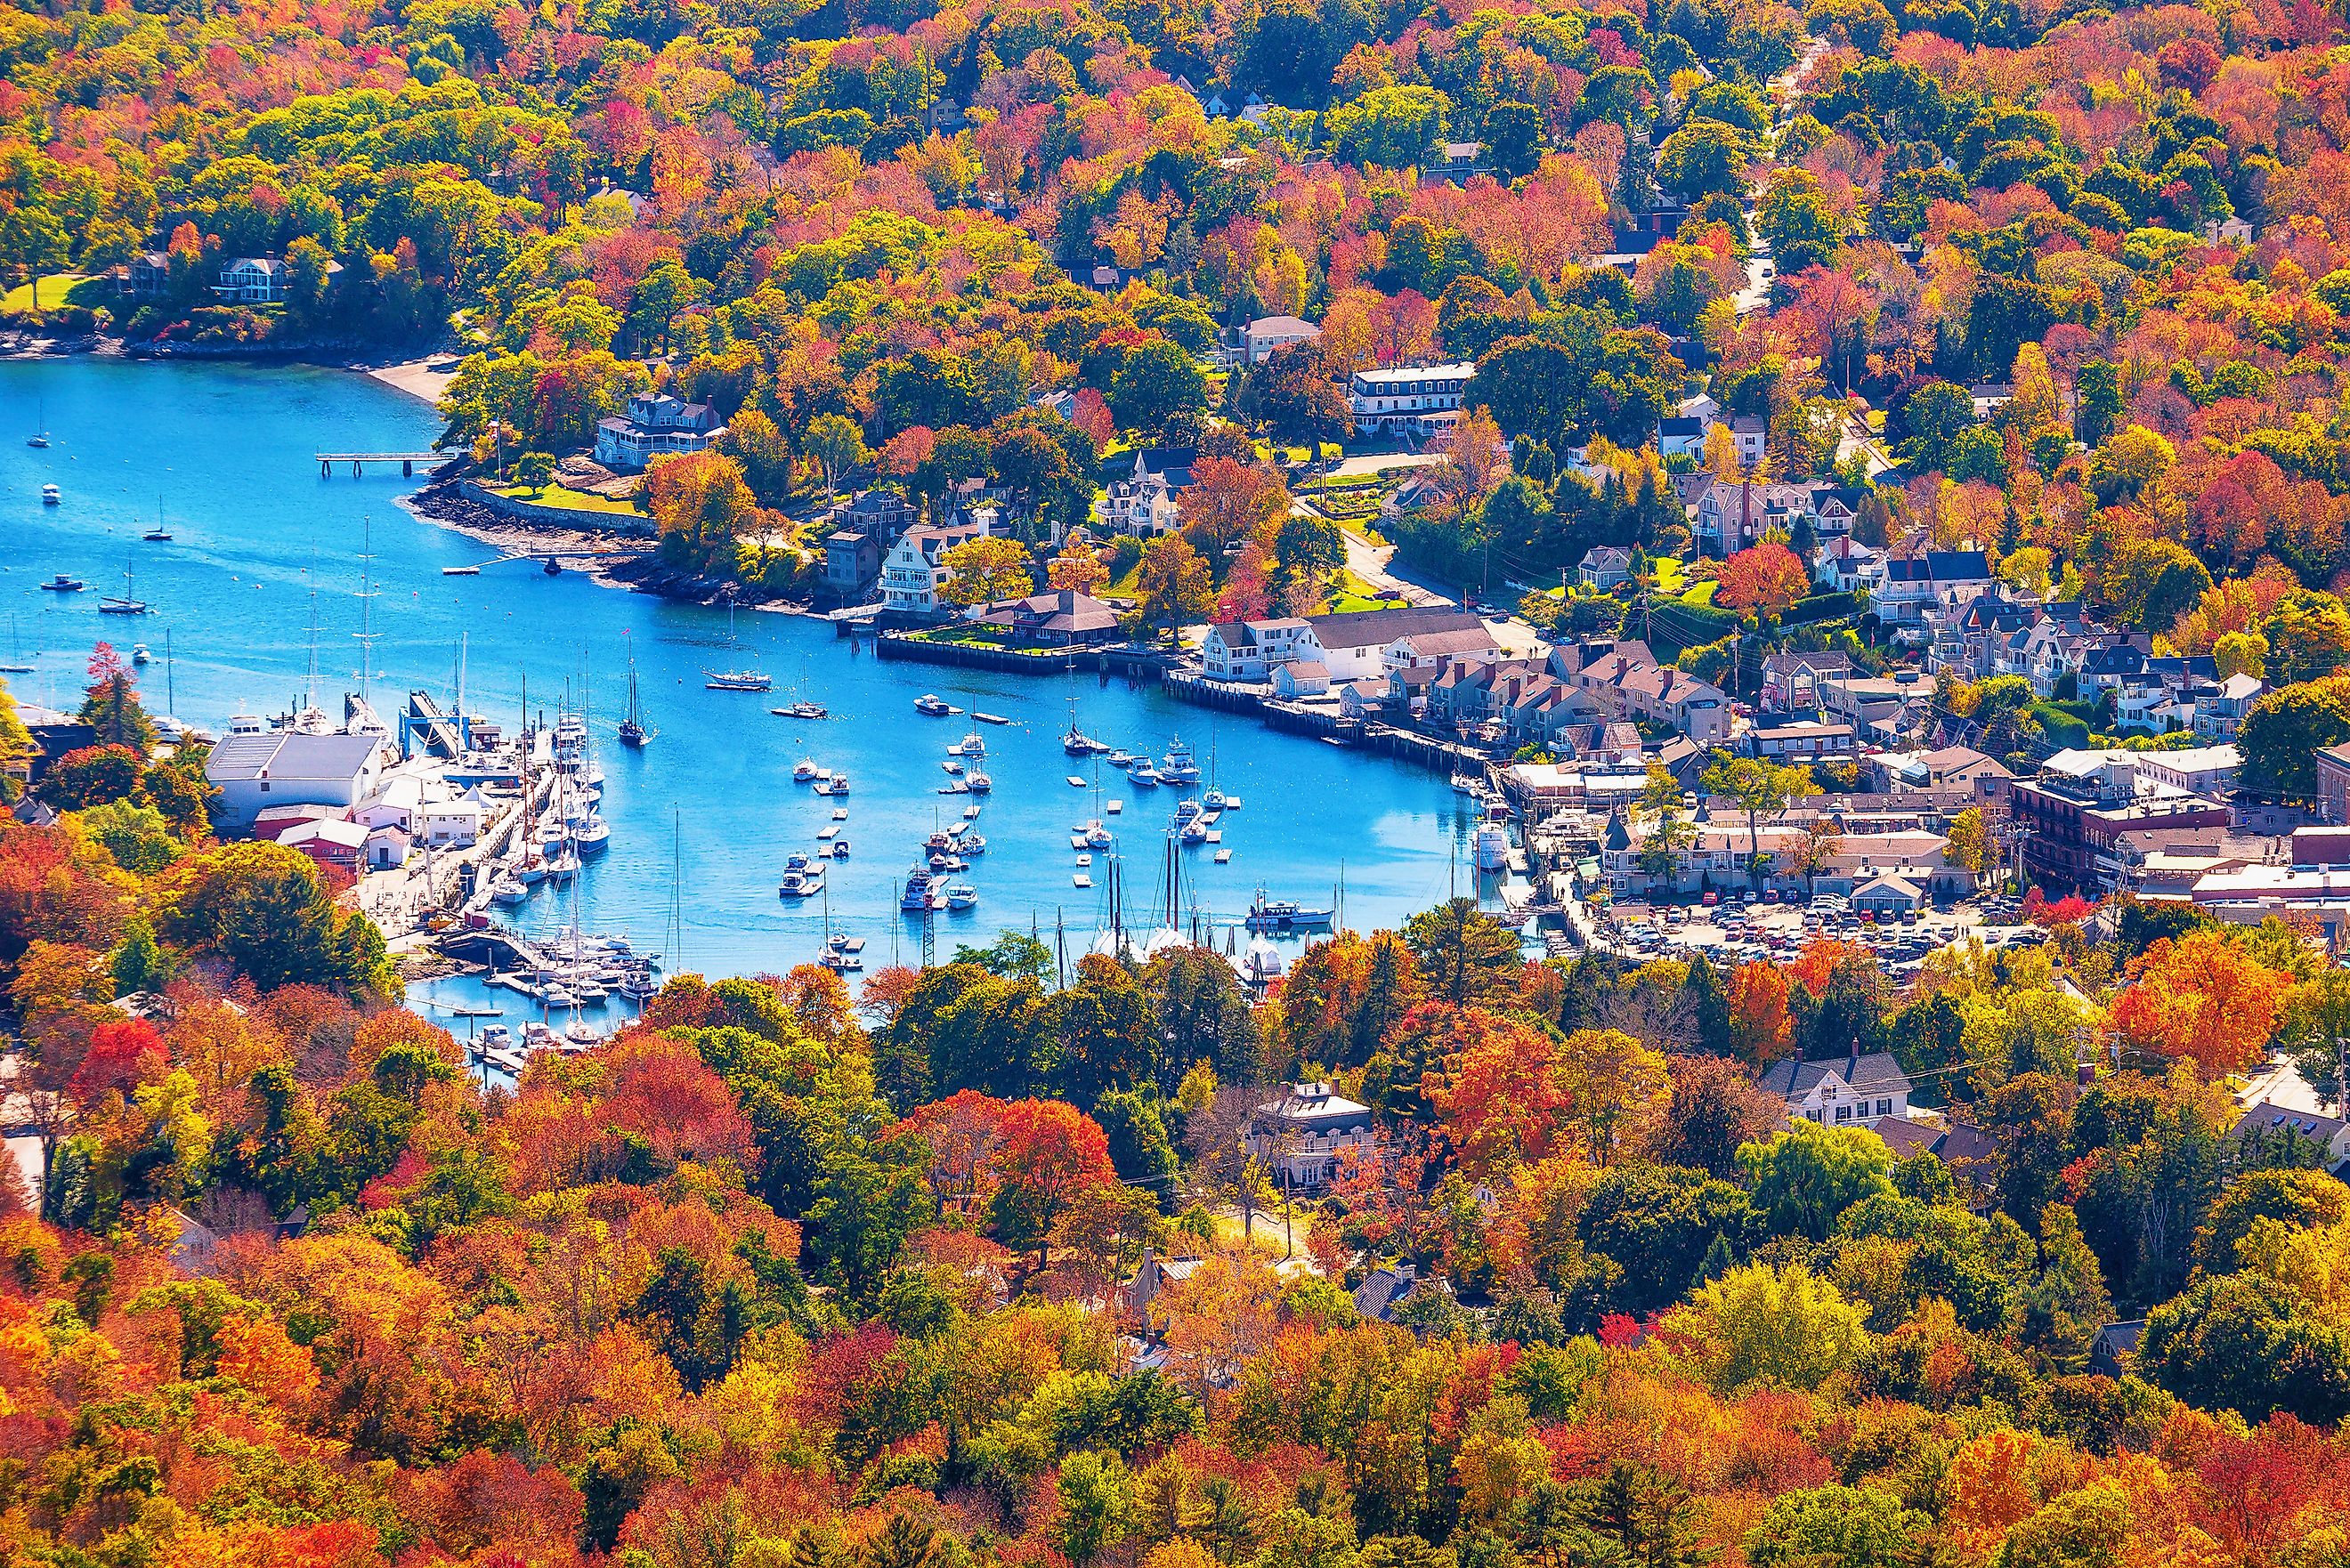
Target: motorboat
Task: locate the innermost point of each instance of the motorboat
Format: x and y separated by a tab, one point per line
804	710
972	844
841	849
931	706
138	654
1467	783
1491	849
1121	758
51	495
1179	768
1143	773
832	783
1185	811
803	881
953	768
804	770
920	896
508	889
1284	915
971	745
559	995
979	784
1193	832
961	895
62	584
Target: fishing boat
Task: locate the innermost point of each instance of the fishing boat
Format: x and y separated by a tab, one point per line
634	734
138	654
1143	773
1121	758
62	584
51	495
1284	915
123	603
961	895
931	706
1179	768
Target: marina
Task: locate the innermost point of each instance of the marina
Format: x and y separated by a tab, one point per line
705	817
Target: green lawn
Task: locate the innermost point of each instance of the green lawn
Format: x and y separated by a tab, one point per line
1672	576
58	289
1700	595
568	500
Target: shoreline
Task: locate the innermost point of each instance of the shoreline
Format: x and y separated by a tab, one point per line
417	378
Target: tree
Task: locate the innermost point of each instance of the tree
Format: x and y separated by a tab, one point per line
2241	1343
2308	639
1764	580
1095	1495
1756	785
2202	997
1800	220
1760	1026
1390	127
1703	157
533	470
1512	138
1465	956
1078	568
1836	1527
699	502
980	571
1175	583
1228	503
1773	1328
1806	1177
2285	730
110	704
91	776
837	444
1047	1154
1968	844
1815	852
1157	382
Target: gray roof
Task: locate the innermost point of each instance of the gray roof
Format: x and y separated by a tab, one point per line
290	754
1792	1080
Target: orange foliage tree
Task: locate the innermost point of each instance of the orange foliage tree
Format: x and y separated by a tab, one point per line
2203	998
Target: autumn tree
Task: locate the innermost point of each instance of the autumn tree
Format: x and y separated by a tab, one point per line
700	501
1762	580
980	571
2203	998
1175	582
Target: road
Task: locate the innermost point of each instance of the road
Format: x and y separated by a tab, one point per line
1374	564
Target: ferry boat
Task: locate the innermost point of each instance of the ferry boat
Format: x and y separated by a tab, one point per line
1284	915
931	706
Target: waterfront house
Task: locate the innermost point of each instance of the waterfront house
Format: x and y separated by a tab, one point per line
1248	650
331	841
862	528
913	572
1061	618
1260	338
1300	677
387	847
252	280
291	767
1400	401
1853	1090
1302	1135
1368	642
656	425
148	276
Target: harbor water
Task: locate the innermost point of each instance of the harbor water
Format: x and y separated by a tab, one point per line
704	818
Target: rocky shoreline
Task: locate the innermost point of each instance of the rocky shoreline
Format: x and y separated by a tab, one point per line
632	563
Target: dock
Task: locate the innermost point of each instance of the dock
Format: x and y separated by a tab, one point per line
360	460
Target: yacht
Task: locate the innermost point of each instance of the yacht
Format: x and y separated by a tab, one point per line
735	681
1143	773
1121	758
51	495
1193	832
804	710
961	895
802	880
591	834
138	654
1094	835
979	784
634	734
972	844
1179	768
508	889
804	770
931	707
1493	849
971	745
1217	799
1284	915
920	895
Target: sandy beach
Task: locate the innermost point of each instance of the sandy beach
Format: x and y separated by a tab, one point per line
417	378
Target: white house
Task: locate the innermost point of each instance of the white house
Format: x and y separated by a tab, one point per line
252	280
1367	643
1251	650
1260	338
657	425
291	767
1401	399
912	573
1144	504
1303	1134
1852	1091
1605	566
1750	432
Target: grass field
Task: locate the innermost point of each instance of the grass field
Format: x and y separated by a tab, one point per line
57	289
568	500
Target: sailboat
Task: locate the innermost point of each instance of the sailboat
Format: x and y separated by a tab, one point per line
16	665
158	534
1076	743
735	680
40	436
124	604
634	734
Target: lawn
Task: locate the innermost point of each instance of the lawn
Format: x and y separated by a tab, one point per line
1700	595
568	500
1672	576
58	289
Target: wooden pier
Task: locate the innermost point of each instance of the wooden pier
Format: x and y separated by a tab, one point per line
358	459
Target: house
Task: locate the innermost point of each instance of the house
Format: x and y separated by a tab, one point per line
1799	741
912	573
2275	1127
2218	713
452	823
331	841
656	425
2203	770
2079	804
2113	1352
252	280
1260	338
1144	502
1300	677
1944	579
1946	768
291	767
1302	1135
1967	1151
1062	619
1368	642
386	848
1887	895
1399	400
1728	517
1847	565
1750	432
1682	435
1248	650
1386	1289
1604	567
862	529
1790	680
2334	784
1153	1275
1458	161
148	276
1849	1091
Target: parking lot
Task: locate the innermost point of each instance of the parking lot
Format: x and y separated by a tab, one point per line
1735	930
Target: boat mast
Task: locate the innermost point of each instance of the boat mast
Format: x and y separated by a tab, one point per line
367	596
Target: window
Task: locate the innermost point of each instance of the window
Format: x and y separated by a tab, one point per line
1885	1107
1843	1113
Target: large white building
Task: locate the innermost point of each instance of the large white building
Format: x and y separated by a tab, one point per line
1403	399
1843	1092
291	767
1351	647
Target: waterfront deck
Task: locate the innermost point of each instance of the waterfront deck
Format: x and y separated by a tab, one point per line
360	460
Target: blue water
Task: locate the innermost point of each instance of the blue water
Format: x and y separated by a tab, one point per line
260	539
